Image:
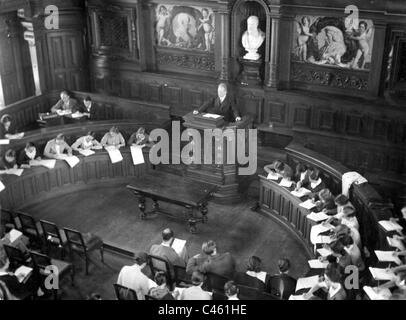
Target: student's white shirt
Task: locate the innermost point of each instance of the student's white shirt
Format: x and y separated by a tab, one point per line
315	184
133	278
233	298
332	291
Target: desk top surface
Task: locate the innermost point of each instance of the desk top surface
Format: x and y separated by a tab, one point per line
172	188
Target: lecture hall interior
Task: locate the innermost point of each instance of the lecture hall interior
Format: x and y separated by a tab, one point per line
203	150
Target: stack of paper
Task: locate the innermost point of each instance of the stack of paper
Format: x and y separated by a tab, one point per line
304	283
285	183
14	235
50	164
381	274
211	115
22	273
322	240
324	252
377	293
115	154
390	225
317	229
396	243
17	172
273	176
301	192
71	160
317	216
137	155
86	152
387	256
317	264
308	204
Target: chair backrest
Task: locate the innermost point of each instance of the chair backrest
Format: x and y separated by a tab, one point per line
182	278
7	216
16	256
219	295
215	281
75	238
41	261
27	222
248	293
124	293
159	264
51	231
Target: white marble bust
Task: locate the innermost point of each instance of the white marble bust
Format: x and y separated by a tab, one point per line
252	39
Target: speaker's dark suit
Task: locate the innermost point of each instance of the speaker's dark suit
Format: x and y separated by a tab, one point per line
226	108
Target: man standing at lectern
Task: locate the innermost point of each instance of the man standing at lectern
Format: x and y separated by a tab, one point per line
223	105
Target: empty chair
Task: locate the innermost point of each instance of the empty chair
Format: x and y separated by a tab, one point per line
160	264
16	257
124	293
30	227
7	220
83	244
182	279
52	236
42	264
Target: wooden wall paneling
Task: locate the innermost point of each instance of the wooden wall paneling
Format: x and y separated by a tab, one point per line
154	92
275	111
301	115
250	103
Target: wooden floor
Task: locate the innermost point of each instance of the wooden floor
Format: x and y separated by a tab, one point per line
113	214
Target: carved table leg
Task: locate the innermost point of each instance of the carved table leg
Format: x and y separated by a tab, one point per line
141	206
191	220
155	205
204	211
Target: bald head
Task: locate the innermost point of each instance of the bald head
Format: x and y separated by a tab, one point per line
167	235
222	90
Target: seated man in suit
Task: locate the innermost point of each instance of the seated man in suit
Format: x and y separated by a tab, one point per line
316	184
223	104
165	250
254	277
222	264
196	261
87	108
55	148
29	153
66	103
282	285
195	292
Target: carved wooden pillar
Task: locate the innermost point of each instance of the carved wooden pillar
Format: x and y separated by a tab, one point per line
224	15
274	56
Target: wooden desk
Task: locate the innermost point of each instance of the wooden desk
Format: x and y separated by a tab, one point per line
191	195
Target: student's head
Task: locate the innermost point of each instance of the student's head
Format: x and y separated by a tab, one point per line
348	212
87	101
141	258
337	247
6	120
167	235
60	139
90	136
197	278
141	130
209	247
29	147
283	265
113	130
341	200
94	296
254	264
363	26
279	166
10	155
64	96
230	289
160	278
314	176
332	274
300	168
222	90
325	194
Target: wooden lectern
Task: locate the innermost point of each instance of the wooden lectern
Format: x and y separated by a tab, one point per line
224	176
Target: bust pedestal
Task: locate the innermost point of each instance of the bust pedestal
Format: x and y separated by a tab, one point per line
251	73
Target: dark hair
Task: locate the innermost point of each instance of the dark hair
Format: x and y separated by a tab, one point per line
363	23
315	175
10	153
167	234
230	288
94	296
87	98
197	277
208	247
141	257
60	136
347	240
114	129
341	200
5	118
301	168
283	265
279	165
160	278
66	93
91	133
254	264
29	145
337	247
333	272
325	194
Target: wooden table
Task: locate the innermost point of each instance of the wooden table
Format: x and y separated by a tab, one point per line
189	194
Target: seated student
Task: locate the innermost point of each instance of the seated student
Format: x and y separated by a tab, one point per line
302	176
343	205
29	153
326	202
196	261
113	138
195	292
66	103
282	285
139	138
331	282
254	277
87	142
342	230
339	254
8	160
222	264
7	128
316	184
401	221
353	251
10	280
87	108
161	292
281	168
55	148
231	290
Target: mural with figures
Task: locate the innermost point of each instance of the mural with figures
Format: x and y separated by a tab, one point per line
185	27
341	42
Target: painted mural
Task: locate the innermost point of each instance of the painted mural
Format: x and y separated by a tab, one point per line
185	27
341	42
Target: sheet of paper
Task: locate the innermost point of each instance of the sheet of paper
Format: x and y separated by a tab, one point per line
4	141
317	216
304	283
324	252
273	176
178	245
137	155
297	297
17	172
50	164
377	294
2	186
115	154
72	160
390	225
396	243
14	235
381	274
387	256
86	152
301	192
77	115
322	240
211	115
317	264
308	204
22	273
285	183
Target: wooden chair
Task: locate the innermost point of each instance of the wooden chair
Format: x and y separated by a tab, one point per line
215	281
8	220
42	262
16	257
182	279
124	293
159	264
83	244
248	293
219	295
30	228
52	237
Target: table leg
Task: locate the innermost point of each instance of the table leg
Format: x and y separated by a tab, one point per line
141	206
155	205
191	220
204	211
